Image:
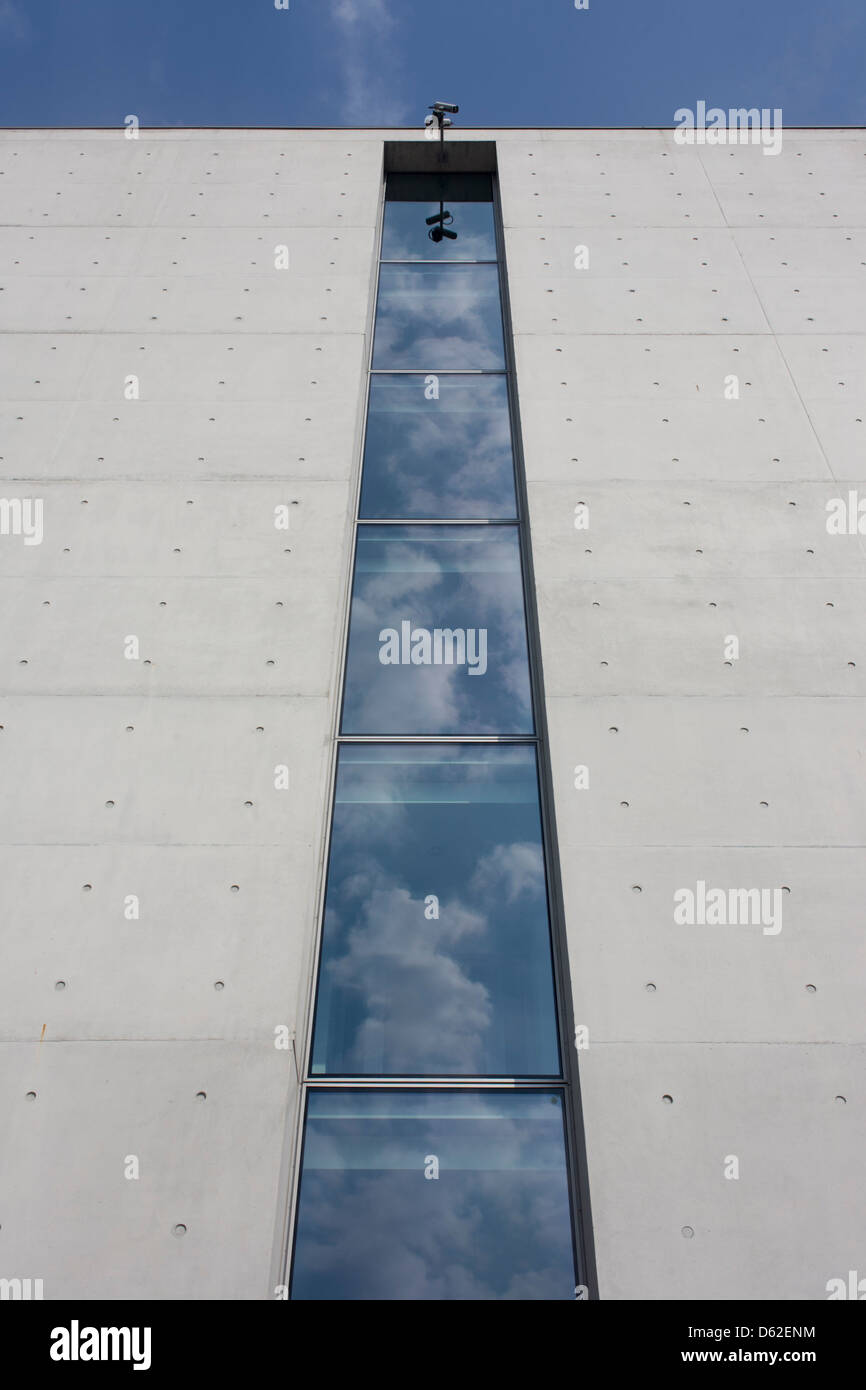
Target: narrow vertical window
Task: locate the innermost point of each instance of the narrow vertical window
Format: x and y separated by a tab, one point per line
436	1160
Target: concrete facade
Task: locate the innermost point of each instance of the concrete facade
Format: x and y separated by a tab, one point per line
166	387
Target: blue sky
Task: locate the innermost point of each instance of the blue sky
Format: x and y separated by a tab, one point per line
381	62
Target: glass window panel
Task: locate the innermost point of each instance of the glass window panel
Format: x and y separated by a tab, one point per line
468	232
436	957
433	317
494	1225
413	198
438	447
437	636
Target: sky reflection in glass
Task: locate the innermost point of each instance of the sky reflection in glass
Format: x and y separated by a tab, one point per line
436	954
406	233
494	1225
437	635
432	317
439	448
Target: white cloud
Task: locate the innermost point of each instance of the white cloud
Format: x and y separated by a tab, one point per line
354	10
515	870
419	1001
368	63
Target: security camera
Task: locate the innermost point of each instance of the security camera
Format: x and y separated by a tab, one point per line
439	108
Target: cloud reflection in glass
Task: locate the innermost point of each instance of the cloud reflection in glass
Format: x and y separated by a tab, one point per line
463	580
494	1225
436	952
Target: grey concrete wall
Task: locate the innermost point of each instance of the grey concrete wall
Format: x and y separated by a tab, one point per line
155	258
706	520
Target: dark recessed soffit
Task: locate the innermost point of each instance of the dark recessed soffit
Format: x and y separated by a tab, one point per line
430	157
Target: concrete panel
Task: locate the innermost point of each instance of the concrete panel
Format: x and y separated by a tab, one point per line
191	252
623	253
303	369
212	439
263	642
788	252
654	205
832	367
162	925
792	973
316	203
665	638
815	304
222	531
200	304
161	854
618	406
672	765
211	1166
672	440
656	531
843	206
568	366
695	771
94	770
781	1230
563	305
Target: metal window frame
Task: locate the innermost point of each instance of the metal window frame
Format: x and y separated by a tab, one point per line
568	1082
